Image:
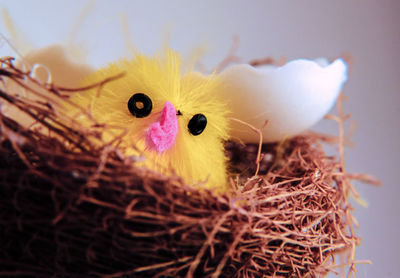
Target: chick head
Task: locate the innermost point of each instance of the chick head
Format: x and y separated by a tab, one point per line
176	121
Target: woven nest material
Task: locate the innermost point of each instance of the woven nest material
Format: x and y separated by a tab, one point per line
71	207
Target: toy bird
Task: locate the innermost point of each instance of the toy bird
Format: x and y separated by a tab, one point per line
177	121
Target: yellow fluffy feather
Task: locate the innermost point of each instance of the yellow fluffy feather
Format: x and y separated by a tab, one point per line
197	159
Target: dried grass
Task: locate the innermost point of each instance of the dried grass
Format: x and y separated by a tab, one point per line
73	207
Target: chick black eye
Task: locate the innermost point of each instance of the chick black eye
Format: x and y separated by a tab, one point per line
197	124
140	105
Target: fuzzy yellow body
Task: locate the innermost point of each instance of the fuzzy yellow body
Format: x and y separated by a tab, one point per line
198	160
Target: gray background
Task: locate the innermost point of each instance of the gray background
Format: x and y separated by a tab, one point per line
368	30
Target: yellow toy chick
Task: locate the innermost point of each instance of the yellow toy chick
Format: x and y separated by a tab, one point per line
177	121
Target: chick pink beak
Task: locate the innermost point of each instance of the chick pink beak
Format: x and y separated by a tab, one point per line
161	135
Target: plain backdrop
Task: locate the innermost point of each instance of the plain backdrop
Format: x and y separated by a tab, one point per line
368	30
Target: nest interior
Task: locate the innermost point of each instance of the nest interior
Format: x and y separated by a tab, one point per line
71	207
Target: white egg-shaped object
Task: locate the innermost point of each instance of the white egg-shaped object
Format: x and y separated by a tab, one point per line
291	98
65	69
53	64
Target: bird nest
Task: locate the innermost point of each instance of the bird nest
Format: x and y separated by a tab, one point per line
72	206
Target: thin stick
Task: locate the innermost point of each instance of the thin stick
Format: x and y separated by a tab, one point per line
260	140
